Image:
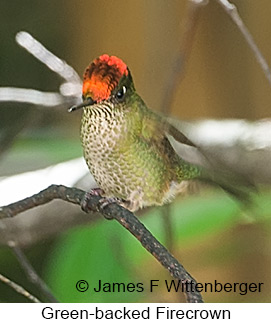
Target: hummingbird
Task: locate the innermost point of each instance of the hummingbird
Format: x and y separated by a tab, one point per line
126	145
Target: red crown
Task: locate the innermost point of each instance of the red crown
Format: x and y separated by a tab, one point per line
102	76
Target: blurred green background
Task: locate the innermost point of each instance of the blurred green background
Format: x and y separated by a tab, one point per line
212	237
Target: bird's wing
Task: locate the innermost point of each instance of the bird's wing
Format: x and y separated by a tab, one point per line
213	172
156	127
170	130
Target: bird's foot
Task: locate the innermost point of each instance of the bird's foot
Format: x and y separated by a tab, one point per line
103	202
93	192
110	200
96	192
129	205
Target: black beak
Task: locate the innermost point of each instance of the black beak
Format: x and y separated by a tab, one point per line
85	103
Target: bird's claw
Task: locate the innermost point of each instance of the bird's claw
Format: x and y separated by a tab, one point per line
96	192
88	195
103	202
109	200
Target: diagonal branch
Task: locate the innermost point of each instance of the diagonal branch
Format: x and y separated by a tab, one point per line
41	53
30	96
31	273
19	289
179	64
29	270
232	11
112	211
173	82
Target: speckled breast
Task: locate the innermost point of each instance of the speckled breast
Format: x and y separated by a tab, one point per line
102	132
123	165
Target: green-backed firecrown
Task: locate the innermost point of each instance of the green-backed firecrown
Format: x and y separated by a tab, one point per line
126	144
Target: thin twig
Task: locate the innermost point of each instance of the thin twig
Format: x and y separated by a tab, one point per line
123	216
233	13
178	65
176	76
32	274
72	86
19	289
30	96
41	53
9	133
167	226
69	91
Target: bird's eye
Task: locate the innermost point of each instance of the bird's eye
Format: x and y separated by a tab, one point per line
121	93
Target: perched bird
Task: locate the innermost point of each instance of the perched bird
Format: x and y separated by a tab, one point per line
126	145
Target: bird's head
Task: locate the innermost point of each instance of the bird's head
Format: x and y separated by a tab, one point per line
107	78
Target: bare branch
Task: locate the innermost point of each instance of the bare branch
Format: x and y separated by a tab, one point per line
233	13
8	134
178	65
69	91
250	135
19	289
72	195
239	146
174	80
111	211
32	274
54	63
39	98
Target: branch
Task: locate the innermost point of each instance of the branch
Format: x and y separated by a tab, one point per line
112	211
173	82
240	146
30	96
31	273
233	13
69	91
244	147
178	65
29	270
41	53
19	289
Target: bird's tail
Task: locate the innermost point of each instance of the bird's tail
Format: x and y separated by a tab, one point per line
236	185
